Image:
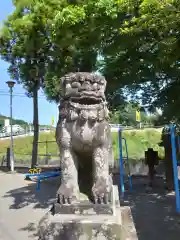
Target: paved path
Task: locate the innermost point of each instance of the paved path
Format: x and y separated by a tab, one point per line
21	206
153	212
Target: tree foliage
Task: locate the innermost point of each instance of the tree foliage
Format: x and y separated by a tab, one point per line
79	32
133	43
23	44
14	121
126	114
147	56
43	40
52	38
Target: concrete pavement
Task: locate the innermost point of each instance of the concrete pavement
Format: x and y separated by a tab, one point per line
21	206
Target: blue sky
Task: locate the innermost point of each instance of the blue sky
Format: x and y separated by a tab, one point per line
22	106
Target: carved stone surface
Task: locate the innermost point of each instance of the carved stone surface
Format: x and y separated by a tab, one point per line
85	207
80	228
85	226
84	139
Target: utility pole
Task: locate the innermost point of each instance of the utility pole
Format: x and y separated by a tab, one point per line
11	85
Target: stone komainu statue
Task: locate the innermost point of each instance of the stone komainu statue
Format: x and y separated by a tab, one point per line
84	139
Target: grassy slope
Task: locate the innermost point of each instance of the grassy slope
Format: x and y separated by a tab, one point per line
137	140
23	145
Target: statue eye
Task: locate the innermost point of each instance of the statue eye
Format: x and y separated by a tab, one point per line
75	85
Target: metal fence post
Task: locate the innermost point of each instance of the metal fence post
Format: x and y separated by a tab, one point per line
8	163
47	157
121	170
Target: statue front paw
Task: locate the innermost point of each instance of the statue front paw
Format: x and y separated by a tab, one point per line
101	191
66	194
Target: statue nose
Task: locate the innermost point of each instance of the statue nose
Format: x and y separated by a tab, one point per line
86	86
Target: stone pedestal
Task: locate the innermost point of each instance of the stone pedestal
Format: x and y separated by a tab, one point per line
83	221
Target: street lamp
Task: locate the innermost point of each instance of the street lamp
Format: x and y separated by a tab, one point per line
11	85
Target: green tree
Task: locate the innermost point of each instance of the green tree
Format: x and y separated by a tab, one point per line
154	26
24	45
43	40
79	31
14	121
152	50
126	114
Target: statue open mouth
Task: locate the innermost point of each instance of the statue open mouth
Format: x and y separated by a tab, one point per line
87	100
84	89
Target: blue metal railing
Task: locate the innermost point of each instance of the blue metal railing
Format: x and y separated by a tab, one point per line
42	176
175	170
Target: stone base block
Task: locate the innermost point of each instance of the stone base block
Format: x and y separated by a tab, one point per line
74	227
82	208
128	227
84	224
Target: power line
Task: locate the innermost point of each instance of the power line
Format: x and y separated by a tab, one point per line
16	95
6	93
